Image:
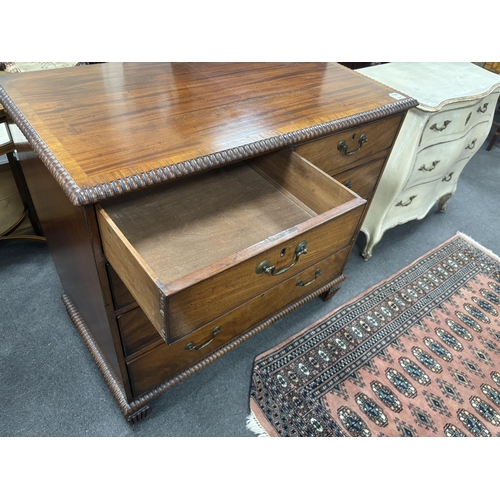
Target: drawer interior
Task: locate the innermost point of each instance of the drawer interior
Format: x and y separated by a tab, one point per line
194	222
208	229
189	224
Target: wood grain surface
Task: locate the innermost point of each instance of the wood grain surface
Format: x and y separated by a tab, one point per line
362	179
324	153
194	222
111	128
165	361
188	251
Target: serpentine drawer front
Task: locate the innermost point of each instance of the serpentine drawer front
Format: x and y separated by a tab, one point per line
437	161
194	249
452	124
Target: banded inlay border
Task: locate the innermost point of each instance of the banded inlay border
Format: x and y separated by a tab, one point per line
100	192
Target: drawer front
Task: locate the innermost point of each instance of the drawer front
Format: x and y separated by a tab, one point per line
165	361
434	162
197	305
136	331
328	154
448	124
362	179
412	203
416	201
448	181
474	139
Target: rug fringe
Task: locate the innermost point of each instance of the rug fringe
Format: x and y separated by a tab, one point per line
254	426
472	240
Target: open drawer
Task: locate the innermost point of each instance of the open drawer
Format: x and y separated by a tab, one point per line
192	250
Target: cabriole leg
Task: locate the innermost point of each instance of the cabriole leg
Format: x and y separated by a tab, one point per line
442	202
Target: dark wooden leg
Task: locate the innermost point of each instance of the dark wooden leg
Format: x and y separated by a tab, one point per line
24	193
139	415
493	139
329	293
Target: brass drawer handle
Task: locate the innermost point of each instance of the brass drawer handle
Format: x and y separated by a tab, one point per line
401	204
468	118
316	274
348	183
342	147
193	347
440	129
430	169
265	265
471	145
447	178
483	108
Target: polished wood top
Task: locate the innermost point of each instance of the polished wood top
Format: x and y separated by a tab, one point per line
106	129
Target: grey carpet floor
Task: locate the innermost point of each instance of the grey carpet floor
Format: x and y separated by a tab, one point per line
50	385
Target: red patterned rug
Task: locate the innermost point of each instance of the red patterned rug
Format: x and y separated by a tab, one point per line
416	355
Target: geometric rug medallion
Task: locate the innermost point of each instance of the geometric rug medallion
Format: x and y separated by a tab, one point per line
416	355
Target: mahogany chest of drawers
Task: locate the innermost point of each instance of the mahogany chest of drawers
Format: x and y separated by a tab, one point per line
188	206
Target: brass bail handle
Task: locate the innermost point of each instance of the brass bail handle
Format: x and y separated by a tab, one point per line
193	347
342	147
471	145
302	283
265	265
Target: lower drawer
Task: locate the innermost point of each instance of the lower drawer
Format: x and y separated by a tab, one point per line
362	179
121	296
412	203
196	305
165	361
136	331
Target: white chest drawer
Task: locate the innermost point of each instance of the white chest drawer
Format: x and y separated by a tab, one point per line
454	121
432	162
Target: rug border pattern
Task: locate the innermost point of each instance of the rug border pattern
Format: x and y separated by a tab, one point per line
312	336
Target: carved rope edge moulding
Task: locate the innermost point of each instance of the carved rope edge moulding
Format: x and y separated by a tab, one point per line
90	195
134	407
